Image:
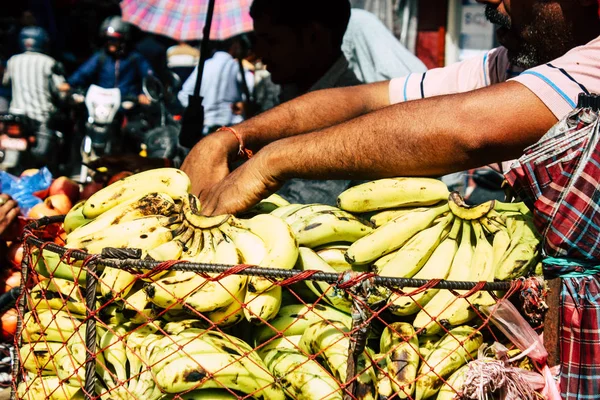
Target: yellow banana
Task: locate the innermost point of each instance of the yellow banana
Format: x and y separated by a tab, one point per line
48	387
231	314
39	357
250	246
391	193
392	235
57	294
262	307
306	210
381	218
191	212
170	181
400	345
454	384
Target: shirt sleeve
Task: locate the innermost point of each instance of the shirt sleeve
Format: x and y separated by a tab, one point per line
474	73
188	88
6	77
558	83
84	74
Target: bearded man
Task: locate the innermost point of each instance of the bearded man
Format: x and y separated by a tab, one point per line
481	111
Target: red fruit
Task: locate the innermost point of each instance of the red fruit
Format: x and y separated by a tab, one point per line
13	280
118	176
15	255
89	189
58	204
9	325
65	185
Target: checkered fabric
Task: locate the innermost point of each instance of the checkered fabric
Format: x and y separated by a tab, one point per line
184	19
558	177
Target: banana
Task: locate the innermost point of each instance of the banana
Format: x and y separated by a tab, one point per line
115	351
522	253
454	384
309	260
143	233
170	181
451	352
262	307
427	343
231	314
49	388
268	205
391	193
280	243
217	370
74	218
461	311
146	205
57	294
424	322
136	360
302	378
411	257
293	320
191	212
500	244
39	357
213	295
250	246
52	326
172	250
392	235
203	394
283	211
115	283
324	227
306	210
400	345
438	266
50	265
336	258
463	211
381	218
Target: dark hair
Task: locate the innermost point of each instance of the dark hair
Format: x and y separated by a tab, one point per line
332	14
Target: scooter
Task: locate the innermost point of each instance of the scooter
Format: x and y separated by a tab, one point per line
16	138
103	126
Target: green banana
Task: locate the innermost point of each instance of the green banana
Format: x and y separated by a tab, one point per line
75	218
50	265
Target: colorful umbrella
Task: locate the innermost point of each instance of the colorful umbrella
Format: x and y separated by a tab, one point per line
185	19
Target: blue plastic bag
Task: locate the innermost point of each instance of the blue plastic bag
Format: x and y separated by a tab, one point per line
22	189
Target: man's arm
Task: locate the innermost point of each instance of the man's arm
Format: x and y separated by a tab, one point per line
208	161
84	74
428	137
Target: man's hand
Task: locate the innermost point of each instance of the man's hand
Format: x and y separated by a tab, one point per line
143	100
9	210
243	188
208	162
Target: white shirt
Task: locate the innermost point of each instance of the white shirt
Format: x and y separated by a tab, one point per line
221	87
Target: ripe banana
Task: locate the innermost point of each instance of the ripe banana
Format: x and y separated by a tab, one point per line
191	212
39	357
280	243
391	193
451	352
309	260
115	283
231	314
203	394
463	211
392	235
52	326
381	218
74	218
115	351
293	320
302	378
283	211
438	266
138	207
324	227
250	246
411	257
57	294
400	345
306	210
48	387
424	321
454	384
262	307
268	205
170	181
335	256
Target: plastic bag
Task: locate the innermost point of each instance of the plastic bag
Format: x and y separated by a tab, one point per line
508	320
23	189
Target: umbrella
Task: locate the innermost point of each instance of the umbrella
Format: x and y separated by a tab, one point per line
184	19
180	19
559	178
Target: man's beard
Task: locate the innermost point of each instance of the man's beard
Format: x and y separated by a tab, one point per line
544	39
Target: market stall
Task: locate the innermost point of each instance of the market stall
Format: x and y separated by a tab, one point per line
401	291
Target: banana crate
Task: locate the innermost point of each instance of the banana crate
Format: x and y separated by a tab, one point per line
288	302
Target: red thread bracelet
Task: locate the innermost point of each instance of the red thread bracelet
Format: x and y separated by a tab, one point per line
243	151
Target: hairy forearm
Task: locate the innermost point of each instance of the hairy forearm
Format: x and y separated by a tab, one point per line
313	111
421	138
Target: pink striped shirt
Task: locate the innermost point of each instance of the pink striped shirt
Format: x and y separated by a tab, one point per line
557	83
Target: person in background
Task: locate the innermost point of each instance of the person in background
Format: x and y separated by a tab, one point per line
373	51
31	75
221	85
182	59
301	45
117	65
